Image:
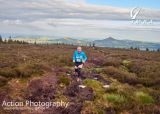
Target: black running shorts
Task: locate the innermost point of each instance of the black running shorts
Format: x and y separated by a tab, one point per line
78	63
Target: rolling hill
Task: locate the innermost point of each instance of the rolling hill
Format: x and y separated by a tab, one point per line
114	43
68	40
107	42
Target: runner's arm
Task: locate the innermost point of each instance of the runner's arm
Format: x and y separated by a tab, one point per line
84	58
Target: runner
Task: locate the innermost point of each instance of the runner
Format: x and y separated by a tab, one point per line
79	58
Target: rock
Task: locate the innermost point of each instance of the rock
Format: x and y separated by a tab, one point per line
106	86
82	86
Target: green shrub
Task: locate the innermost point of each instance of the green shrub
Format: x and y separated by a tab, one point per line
147	71
156	95
126	62
8	72
111	89
121	75
147	81
28	70
3	81
112	62
64	80
100	111
115	98
91	107
97	70
95	85
144	98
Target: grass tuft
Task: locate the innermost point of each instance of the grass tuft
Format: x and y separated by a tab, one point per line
144	98
115	98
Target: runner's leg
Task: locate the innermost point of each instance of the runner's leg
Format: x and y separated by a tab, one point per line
76	70
79	71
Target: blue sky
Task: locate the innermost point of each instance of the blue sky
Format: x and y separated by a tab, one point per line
128	3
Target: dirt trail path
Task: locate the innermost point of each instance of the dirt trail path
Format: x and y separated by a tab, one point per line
46	89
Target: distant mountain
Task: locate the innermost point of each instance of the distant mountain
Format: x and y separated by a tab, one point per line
68	40
114	43
107	42
110	42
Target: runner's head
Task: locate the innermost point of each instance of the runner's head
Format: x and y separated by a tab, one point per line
79	49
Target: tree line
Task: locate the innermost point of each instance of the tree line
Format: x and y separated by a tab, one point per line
11	41
147	49
91	44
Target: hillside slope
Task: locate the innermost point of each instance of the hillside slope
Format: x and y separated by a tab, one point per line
45	73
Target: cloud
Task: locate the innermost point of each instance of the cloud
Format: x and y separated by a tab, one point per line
30	10
73	18
40	9
9	22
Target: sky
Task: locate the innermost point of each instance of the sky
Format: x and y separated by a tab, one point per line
83	19
128	3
